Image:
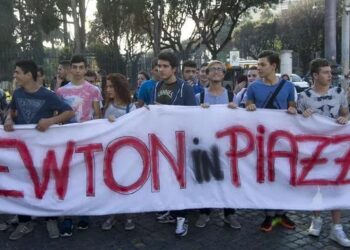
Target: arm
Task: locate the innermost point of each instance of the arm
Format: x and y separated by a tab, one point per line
45	123
8	124
343	115
97	109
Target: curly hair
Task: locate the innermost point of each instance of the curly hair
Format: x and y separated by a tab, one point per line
121	87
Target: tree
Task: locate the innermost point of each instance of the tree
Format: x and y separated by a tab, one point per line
210	17
301	29
7	39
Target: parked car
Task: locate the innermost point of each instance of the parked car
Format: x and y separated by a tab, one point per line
300	85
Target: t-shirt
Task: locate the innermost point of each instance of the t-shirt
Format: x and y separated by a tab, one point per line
31	107
80	98
259	93
146	91
241	97
165	93
118	111
213	99
328	104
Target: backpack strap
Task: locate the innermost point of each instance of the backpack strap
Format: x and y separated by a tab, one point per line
269	103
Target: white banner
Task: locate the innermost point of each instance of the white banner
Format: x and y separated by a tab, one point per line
172	157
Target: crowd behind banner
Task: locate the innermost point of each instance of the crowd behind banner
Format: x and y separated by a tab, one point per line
80	95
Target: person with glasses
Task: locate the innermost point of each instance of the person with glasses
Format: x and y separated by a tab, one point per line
241	97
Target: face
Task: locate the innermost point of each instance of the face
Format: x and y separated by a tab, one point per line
20	77
189	73
110	90
216	73
155	73
203	74
265	68
140	79
324	76
252	75
62	72
165	70
78	71
91	79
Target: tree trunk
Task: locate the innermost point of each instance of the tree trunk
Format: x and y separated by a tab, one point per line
157	25
330	30
65	30
77	39
82	16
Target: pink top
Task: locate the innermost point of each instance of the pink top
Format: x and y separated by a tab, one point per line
80	98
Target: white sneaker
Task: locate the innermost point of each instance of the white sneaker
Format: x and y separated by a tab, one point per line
21	230
315	227
338	235
129	225
181	226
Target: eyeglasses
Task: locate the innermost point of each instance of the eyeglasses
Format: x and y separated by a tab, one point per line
213	69
252	75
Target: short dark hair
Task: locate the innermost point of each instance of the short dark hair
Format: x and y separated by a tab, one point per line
317	64
28	66
169	57
154	62
65	63
144	73
78	59
271	56
204	65
242	78
190	64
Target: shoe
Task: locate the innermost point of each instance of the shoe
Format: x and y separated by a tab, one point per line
232	221
338	235
266	226
181	226
166	218
202	221
67	228
109	223
21	230
52	229
315	227
3	226
13	220
83	224
285	221
129	225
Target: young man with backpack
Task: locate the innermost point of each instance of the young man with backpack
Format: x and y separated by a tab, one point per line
216	94
269	92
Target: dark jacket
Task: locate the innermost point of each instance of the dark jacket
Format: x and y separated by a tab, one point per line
184	94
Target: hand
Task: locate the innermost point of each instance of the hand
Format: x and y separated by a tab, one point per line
239	87
251	107
308	112
205	105
232	105
342	120
111	118
8	125
292	111
44	124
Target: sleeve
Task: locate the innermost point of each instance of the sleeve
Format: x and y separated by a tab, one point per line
250	93
301	105
96	94
142	92
343	100
291	96
190	99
